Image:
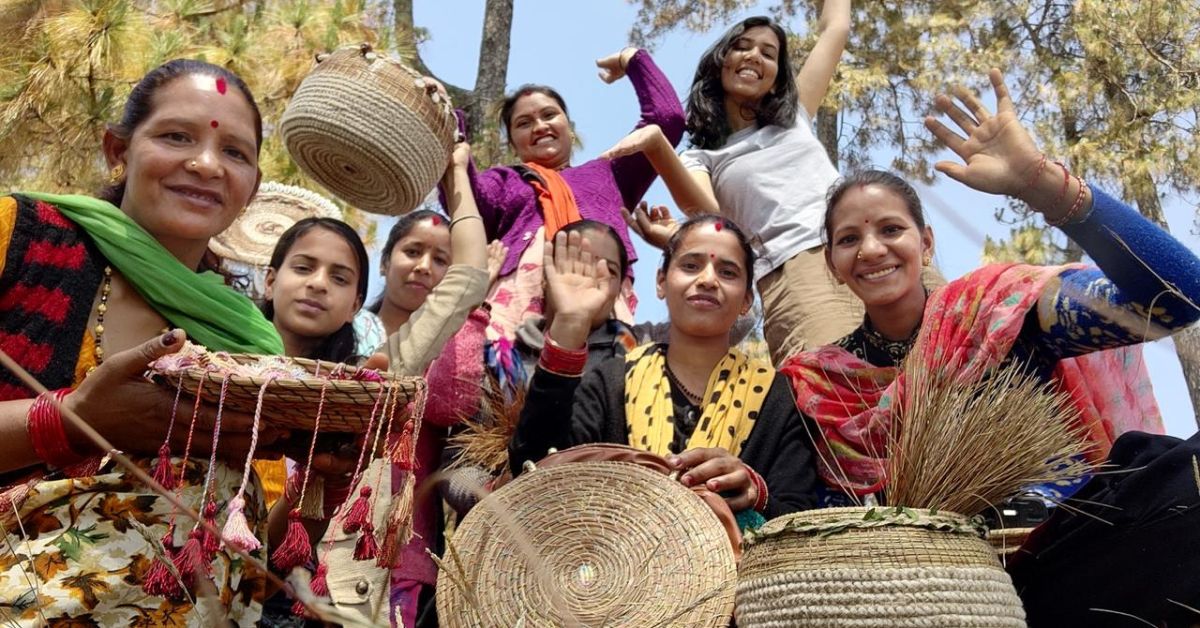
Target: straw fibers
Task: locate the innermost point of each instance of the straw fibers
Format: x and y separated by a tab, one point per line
966	446
483	441
874	567
363	126
588	544
292	402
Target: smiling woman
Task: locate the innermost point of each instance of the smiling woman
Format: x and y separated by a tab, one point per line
89	287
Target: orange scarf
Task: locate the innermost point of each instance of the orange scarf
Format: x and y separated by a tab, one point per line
555	197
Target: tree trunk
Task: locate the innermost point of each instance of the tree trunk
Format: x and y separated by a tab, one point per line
827	132
1187	347
490	80
405	34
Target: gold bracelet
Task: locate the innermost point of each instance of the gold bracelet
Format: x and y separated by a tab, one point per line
467	217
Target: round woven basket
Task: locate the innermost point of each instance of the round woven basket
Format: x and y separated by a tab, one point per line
588	544
253	235
363	126
874	567
293	403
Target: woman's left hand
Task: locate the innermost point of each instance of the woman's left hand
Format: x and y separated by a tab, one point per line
1000	156
612	67
720	472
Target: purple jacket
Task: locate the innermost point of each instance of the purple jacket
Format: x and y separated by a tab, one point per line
602	187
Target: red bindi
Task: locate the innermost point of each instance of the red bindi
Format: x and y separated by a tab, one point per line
214	124
718	226
435	220
221	86
712	256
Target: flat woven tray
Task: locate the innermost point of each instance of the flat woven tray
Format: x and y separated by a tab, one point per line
293	393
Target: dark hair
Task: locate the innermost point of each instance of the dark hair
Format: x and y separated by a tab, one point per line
883	179
139	105
707	125
510	101
402	228
712	219
585	225
341	345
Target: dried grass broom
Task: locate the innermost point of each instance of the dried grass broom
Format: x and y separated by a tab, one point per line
484	441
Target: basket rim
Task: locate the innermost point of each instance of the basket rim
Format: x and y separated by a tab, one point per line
201	372
832	521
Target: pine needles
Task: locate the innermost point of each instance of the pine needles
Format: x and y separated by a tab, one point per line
484	442
964	446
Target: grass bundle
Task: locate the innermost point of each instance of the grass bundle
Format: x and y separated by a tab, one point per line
484	440
963	447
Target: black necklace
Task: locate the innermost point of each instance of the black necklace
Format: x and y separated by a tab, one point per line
678	384
897	350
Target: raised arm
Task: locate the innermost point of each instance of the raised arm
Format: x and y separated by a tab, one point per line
812	81
1148	283
417	342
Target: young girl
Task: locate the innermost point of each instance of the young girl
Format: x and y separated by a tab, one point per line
724	420
755	160
316	282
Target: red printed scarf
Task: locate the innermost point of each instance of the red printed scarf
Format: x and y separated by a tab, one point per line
969	327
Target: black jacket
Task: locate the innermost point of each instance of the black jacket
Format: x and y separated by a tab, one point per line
562	412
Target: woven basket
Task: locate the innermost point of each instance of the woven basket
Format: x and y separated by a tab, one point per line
612	542
880	567
293	403
361	126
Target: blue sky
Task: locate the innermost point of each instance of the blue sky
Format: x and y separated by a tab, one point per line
557	43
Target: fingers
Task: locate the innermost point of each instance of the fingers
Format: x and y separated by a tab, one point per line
965	122
1003	98
694	457
973	103
631	221
955	171
718	474
377	362
952	140
132	362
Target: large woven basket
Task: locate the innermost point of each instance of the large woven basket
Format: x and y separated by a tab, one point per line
362	125
588	544
882	567
344	405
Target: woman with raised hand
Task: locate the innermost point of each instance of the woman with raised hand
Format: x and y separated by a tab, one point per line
94	290
526	204
1072	326
754	159
724	420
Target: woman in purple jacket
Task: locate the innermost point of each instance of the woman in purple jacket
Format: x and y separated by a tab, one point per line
523	205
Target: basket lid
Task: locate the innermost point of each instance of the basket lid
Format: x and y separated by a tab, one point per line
604	543
252	237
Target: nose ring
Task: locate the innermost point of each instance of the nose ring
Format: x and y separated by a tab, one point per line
858	256
192	163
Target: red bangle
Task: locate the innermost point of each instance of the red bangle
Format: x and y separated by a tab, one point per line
562	361
760	486
46	430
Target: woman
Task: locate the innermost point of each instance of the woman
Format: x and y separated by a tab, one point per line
436	274
525	205
316	282
725	421
1070	325
93	289
755	160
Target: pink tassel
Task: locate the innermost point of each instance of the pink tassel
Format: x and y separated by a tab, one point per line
189	562
209	541
319	588
366	548
159	581
402	455
163	473
237	531
359	513
295	550
399	529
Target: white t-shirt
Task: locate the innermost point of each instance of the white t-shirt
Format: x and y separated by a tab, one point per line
772	182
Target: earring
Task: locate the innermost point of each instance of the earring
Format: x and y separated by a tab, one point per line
117	174
927	260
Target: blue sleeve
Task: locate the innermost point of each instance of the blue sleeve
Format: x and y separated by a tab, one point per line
1146	286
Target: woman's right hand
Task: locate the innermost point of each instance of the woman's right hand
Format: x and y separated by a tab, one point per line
497	252
577	285
654	225
132	413
612	67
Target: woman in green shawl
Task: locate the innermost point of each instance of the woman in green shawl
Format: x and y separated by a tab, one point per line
91	291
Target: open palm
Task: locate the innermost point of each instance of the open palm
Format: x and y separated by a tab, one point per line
999	155
576	281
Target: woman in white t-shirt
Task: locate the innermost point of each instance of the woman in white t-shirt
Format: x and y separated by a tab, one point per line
755	160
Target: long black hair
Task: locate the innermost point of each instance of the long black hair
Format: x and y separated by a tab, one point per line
402	228
584	226
707	125
341	345
725	225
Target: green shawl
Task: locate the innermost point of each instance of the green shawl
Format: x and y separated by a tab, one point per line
201	304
